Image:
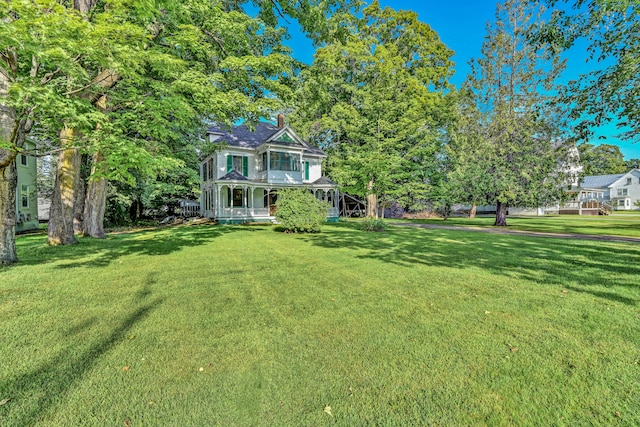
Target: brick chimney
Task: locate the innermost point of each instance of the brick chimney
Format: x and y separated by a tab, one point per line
280	120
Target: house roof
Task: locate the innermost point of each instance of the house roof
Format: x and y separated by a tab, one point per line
234	176
600	181
323	180
242	136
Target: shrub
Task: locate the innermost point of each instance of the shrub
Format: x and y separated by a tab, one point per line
373	224
298	211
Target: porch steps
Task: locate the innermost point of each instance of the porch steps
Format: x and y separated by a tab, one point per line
604	208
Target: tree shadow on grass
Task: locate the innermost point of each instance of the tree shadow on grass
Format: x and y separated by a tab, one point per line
101	252
583	264
34	393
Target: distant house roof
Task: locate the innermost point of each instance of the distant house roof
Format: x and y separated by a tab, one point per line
600	181
242	136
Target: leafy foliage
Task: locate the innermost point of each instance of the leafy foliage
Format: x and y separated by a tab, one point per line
610	92
603	159
298	211
508	149
373	224
376	100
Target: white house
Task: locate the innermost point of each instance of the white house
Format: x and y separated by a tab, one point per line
619	192
240	182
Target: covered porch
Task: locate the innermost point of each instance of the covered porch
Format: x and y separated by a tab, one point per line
242	202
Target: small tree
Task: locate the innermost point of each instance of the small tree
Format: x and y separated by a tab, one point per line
298	211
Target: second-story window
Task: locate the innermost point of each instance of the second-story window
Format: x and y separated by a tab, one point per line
239	164
264	162
281	161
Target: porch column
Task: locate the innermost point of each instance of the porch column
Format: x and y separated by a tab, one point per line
268	201
217	208
245	196
231	188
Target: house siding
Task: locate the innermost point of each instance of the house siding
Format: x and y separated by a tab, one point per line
26	216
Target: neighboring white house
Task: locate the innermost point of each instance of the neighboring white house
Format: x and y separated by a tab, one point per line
620	192
240	182
26	194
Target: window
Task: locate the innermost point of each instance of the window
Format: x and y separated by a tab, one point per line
306	171
239	164
284	161
263	163
23	160
24	196
204	172
628	181
622	191
211	168
621	202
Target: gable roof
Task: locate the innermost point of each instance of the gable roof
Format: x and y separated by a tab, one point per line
605	181
323	180
600	181
234	175
243	137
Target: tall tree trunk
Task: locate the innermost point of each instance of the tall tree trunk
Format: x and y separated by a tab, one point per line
372	201
447	211
135	210
501	214
64	192
81	194
8	184
473	211
84	6
96	201
8	180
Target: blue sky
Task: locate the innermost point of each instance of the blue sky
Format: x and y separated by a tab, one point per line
461	25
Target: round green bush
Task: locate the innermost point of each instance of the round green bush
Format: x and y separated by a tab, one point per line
298	211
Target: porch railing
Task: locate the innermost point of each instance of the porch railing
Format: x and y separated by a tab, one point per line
259	212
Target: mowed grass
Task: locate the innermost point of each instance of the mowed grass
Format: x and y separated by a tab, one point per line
626	224
245	326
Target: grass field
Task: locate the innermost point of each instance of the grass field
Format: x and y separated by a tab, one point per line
213	325
625	224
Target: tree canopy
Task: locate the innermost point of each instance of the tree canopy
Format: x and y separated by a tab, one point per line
508	149
610	92
376	99
132	82
603	159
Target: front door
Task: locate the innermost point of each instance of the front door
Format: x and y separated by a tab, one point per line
273	197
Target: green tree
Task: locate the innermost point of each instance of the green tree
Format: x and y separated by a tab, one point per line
632	164
610	92
122	81
509	147
39	42
601	159
376	99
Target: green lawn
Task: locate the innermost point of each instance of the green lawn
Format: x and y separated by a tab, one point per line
618	224
245	326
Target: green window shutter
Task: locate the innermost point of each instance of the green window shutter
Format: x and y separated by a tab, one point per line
245	166
306	170
229	162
